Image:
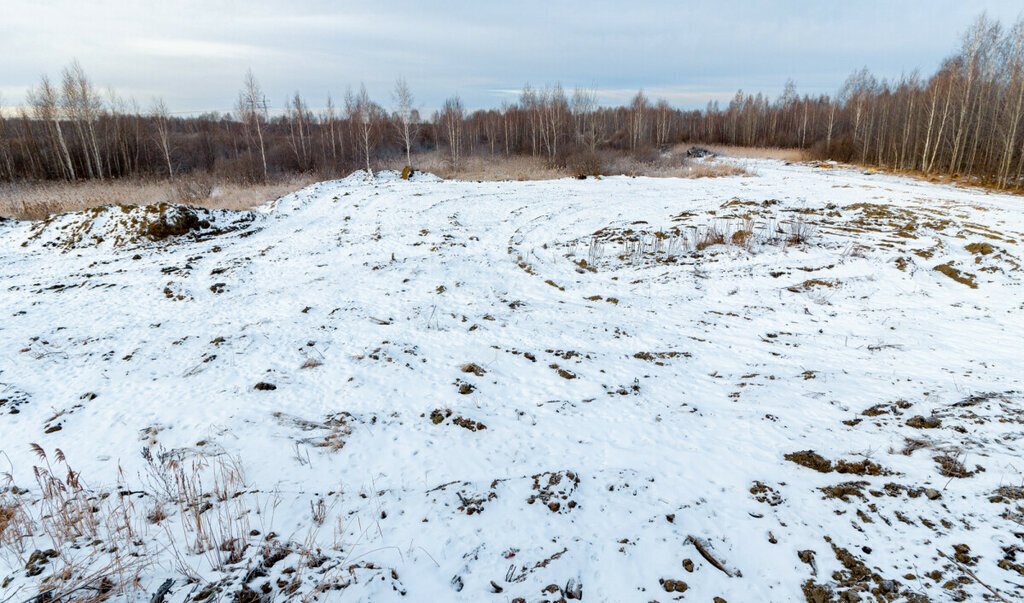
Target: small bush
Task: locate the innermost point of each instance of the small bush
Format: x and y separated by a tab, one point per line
584	164
193	190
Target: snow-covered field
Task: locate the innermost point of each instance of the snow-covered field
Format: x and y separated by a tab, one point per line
522	391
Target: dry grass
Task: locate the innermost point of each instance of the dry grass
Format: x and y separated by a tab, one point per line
484	167
759	153
498	167
716	169
193	513
34	201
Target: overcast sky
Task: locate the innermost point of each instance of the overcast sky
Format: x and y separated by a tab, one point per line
194	54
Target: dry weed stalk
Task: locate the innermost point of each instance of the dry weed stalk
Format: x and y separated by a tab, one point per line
91	545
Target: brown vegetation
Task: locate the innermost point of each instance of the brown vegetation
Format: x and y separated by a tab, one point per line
37	200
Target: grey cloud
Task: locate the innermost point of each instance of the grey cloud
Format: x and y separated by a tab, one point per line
195	53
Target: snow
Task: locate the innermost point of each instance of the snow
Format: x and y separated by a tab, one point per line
692	374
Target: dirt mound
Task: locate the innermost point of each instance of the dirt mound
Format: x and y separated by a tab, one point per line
700	152
130	225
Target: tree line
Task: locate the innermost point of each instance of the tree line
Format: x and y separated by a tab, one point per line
964	120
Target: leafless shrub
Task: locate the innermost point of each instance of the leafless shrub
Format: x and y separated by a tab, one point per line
192	190
798	232
583	164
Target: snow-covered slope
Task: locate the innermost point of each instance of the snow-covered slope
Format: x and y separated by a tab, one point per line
535	390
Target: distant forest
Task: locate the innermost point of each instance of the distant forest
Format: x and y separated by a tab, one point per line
963	121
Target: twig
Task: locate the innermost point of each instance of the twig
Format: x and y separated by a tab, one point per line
971	574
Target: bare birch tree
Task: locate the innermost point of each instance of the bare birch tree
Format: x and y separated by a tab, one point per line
161	127
252	108
451	121
405	110
363	115
44	101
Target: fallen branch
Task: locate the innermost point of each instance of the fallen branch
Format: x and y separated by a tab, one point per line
971	574
703	547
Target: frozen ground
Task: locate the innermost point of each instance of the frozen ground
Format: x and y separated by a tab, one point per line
523	391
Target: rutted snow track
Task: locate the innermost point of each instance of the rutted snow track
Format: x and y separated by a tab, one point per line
541	390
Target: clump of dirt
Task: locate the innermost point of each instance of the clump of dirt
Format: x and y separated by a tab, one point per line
811	460
864	467
437	416
468	424
962	553
814	283
1007	562
878	409
563	373
981	248
264	386
171	221
474	503
844	490
964	278
471	367
766	494
807	556
854	582
817	593
1006	494
673	585
920	422
950	466
555	490
11	398
658	357
893	489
